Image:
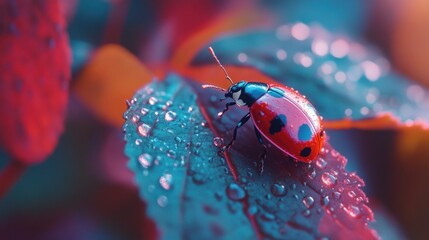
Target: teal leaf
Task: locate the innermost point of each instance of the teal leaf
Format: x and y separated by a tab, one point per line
192	192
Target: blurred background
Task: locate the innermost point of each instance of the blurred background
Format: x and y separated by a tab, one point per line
72	179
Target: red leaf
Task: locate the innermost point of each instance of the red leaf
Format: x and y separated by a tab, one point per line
35	71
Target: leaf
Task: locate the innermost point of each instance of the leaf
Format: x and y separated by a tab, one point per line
35	72
193	193
112	76
343	78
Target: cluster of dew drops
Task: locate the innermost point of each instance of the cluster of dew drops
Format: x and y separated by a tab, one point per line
333	195
154	108
342	63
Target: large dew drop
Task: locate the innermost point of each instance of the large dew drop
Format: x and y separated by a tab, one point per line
308	201
153	100
166	181
321	163
171	154
329	179
353	211
135	118
235	192
144	111
146	160
312	174
218	142
144	130
170	116
278	190
162	201
325	200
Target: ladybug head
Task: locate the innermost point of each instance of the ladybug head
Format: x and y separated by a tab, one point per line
234	92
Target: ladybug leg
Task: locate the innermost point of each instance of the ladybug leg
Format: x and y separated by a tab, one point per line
220	114
239	124
263	155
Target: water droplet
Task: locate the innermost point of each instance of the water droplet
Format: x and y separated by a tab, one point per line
337	195
144	130
306	213
171	154
135	118
166	181
339	48
218	196
320	47
242	57
133	101
308	201
218	142
325	200
300	31
138	141
153	100
268	196
235	192
146	160
252	210
233	207
243	180
348	112
321	163
149	90
144	111
278	190
335	153
329	179
151	188
199	178
178	139
190	109
268	217
281	54
351	194
353	211
170	116
312	174
162	201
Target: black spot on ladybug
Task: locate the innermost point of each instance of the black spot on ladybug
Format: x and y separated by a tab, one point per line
305	152
276	92
304	132
277	123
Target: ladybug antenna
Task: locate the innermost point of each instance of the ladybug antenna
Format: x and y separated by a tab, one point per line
213	86
217	60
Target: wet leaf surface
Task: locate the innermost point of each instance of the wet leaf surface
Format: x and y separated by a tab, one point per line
173	136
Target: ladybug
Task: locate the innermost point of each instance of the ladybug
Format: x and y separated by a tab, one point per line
279	113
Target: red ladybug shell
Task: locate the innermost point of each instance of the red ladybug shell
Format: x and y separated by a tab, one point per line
289	121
